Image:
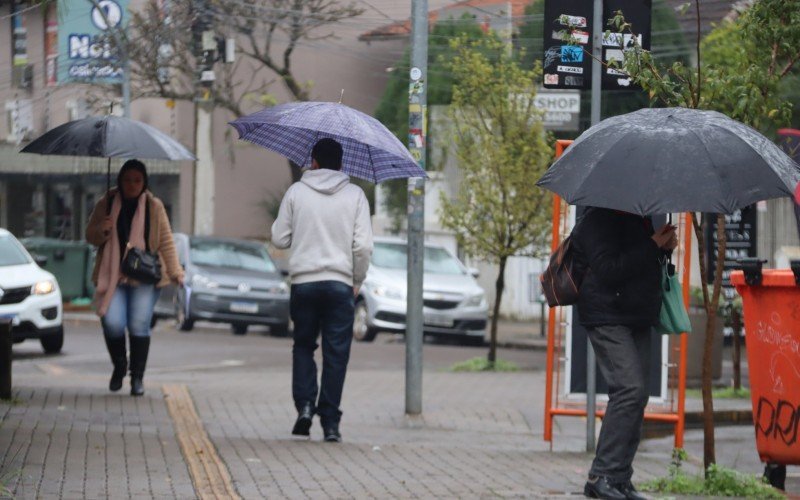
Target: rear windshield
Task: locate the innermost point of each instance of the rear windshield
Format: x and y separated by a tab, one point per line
231	255
11	252
394	256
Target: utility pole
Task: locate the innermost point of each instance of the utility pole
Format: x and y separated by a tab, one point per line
205	47
417	109
597	81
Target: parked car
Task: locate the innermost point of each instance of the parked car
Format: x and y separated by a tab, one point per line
29	295
227	281
454	304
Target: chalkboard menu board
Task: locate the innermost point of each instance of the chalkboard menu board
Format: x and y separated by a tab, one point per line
740	230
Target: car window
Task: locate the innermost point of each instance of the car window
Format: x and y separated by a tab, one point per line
11	252
231	255
394	256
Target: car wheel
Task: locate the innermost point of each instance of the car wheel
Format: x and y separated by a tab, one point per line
361	330
239	328
279	330
182	321
52	344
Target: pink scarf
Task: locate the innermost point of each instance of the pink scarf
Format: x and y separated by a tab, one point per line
110	275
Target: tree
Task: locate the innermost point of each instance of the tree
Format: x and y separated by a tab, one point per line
161	41
749	59
502	149
392	111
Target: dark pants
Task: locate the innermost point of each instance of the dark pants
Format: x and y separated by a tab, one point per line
326	307
623	357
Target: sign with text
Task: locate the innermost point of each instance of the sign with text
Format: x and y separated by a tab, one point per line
740	231
568	46
85	52
561	109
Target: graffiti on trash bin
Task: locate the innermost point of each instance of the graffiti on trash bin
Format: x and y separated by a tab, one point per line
777	420
783	361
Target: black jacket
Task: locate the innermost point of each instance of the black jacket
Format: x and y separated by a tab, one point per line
622	285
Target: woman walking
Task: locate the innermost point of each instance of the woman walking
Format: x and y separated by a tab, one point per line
129	217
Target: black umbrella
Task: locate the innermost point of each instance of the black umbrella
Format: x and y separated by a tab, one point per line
108	137
669	160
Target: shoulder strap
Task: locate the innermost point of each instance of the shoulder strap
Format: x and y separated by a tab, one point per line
147	223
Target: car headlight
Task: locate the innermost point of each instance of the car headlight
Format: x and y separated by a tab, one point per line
203	281
389	293
281	288
476	300
44	287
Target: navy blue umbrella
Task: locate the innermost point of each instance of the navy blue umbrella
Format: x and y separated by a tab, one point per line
656	161
371	151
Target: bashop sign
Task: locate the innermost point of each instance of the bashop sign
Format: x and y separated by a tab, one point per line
85	50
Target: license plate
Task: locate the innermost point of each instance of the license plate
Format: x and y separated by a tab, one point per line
244	307
439	321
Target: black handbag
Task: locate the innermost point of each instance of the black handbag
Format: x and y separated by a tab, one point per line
143	266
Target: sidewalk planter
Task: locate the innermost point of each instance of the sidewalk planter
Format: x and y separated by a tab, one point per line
772	321
67	260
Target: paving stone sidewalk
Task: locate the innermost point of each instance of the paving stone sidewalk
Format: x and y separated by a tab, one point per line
479	437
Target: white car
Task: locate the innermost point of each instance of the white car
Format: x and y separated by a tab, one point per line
29	295
454	305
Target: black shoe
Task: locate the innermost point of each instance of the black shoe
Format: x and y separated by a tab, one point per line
137	386
600	487
118	375
302	425
629	491
332	434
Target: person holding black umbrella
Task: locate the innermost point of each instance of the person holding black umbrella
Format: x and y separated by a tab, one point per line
130	227
619	303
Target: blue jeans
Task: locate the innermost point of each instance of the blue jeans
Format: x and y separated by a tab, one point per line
131	307
325	307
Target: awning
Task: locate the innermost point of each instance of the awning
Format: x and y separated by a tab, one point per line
13	162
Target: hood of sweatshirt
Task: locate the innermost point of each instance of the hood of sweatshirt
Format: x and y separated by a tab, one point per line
325	181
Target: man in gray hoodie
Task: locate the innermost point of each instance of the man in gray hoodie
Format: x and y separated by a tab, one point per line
325	221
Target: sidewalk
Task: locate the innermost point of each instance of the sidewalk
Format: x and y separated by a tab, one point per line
65	437
222	431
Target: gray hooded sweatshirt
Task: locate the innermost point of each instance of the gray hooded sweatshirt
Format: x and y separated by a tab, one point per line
325	221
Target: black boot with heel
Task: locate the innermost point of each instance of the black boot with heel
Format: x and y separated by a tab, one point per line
119	358
140	346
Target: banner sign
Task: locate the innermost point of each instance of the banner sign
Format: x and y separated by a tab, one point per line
84	52
568	46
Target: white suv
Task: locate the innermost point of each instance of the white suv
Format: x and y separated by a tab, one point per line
29	295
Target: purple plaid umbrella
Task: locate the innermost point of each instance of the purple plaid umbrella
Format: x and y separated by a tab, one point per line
371	152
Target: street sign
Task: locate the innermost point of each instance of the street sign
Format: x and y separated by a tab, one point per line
562	109
568	43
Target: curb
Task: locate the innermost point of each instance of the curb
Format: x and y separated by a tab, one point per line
694	420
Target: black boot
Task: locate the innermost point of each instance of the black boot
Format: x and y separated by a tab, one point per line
303	423
140	346
119	357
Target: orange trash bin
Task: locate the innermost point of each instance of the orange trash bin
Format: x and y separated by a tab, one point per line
772	326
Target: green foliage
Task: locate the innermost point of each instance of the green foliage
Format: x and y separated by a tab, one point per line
483	365
502	149
392	111
726	393
743	65
719	482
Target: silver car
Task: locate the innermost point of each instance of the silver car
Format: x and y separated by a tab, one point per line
227	281
454	304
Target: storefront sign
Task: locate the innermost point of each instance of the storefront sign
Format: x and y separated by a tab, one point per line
561	109
85	48
740	232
